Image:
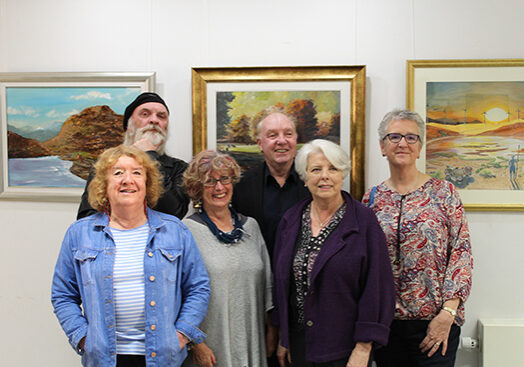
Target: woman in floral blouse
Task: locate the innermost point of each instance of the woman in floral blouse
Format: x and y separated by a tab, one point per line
429	247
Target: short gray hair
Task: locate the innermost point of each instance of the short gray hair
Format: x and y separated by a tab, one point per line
333	153
399	114
271	110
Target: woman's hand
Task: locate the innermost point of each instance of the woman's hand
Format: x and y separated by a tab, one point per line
182	340
437	334
360	355
271	339
438	330
283	356
203	355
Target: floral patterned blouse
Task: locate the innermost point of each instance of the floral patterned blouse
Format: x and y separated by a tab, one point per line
429	247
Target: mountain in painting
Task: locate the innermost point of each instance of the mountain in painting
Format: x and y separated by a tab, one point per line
81	139
40	133
20	147
89	132
85	135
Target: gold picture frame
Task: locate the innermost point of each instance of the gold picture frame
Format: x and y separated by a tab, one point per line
207	82
474	127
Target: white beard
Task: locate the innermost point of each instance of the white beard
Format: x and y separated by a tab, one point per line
153	133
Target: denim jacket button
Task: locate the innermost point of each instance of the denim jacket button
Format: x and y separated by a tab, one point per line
150	254
152	278
152	303
153	354
153	327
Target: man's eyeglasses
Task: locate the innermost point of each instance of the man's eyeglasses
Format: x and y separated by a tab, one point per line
212	182
396	138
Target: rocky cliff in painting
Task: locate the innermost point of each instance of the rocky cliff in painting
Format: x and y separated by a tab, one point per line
20	147
81	139
91	131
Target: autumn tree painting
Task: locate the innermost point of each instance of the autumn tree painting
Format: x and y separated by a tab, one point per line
316	113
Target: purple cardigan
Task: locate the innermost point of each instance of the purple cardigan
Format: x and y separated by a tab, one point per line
352	295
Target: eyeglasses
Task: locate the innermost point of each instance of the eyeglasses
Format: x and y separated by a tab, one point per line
224	180
396	138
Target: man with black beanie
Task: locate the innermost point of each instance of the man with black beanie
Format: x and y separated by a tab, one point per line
146	122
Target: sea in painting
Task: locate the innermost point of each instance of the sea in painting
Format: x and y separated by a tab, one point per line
475	134
55	134
316	114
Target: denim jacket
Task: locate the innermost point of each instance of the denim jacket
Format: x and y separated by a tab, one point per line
176	290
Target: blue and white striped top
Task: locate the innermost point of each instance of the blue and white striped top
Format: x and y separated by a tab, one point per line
128	283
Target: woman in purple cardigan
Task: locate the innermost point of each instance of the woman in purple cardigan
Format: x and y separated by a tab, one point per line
334	289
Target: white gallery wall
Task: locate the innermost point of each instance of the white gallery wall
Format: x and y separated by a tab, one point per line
171	36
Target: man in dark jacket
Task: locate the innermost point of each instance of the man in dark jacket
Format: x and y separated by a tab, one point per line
146	122
266	191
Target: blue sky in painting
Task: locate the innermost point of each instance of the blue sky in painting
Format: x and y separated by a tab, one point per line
43	106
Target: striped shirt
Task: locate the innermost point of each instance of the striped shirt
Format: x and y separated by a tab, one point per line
128	286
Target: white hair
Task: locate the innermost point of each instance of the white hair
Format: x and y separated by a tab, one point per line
157	137
333	153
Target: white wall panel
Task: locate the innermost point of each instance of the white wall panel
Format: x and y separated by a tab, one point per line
62	35
471	29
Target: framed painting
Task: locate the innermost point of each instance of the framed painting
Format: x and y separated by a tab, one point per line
474	113
327	102
54	126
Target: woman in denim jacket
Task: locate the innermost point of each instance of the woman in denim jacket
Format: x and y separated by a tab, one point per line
130	287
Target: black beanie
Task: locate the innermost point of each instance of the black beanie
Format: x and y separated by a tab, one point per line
140	100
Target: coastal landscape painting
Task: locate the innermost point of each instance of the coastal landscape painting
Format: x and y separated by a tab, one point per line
53	132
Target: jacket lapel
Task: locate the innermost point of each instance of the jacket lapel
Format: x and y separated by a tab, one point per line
336	241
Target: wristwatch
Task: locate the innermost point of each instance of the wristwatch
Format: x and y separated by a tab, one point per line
450	310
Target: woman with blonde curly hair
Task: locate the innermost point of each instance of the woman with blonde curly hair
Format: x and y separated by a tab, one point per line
130	287
237	261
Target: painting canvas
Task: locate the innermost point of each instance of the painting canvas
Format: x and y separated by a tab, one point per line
327	102
474	113
475	134
54	132
316	114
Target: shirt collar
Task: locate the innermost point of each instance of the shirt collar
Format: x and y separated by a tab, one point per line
292	177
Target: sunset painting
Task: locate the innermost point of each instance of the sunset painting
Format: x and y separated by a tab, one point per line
475	134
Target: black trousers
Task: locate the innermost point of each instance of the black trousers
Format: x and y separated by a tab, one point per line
402	349
130	360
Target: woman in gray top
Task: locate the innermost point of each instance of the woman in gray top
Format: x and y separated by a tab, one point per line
238	264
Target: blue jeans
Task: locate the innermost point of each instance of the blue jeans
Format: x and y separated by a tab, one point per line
403	346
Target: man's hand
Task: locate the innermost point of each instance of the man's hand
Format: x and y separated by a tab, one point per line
145	145
203	355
